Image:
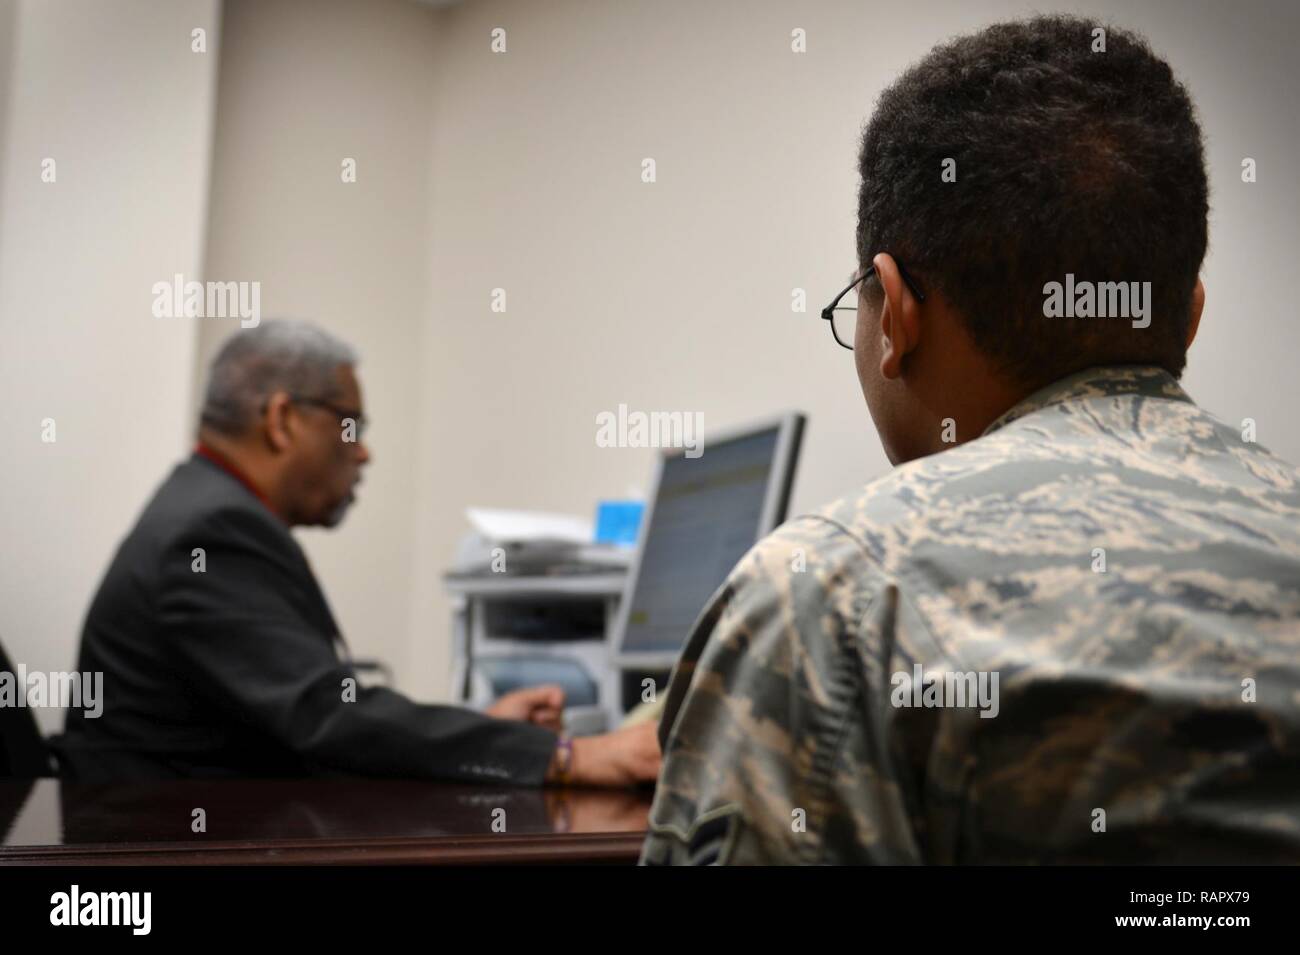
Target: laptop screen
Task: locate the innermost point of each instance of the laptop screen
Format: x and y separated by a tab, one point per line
706	513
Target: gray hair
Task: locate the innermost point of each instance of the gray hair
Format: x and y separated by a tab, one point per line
277	355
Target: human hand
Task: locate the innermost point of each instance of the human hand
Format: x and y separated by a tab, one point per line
622	758
542	705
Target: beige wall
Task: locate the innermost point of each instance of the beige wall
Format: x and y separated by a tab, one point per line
115	96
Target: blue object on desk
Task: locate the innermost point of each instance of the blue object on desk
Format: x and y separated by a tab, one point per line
617	522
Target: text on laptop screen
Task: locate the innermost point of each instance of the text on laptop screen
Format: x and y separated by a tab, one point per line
705	517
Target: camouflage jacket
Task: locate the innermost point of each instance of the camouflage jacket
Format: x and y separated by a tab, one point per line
1073	639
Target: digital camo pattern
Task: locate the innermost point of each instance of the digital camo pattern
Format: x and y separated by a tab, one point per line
1147	712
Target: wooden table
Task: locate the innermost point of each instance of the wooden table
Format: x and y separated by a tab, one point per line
315	821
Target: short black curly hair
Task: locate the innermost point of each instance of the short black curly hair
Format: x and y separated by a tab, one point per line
1067	161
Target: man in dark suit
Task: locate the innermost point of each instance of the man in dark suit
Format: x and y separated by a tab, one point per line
219	653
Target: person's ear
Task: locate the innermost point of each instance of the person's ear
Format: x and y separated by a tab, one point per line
900	317
1198	306
277	423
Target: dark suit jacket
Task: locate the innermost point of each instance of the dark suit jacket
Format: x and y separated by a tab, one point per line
234	671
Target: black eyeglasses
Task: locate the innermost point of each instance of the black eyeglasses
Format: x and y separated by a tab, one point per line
342	413
844	318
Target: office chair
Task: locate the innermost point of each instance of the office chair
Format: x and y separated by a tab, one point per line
381	671
23	754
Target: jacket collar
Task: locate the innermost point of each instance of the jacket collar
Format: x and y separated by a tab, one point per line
1148	380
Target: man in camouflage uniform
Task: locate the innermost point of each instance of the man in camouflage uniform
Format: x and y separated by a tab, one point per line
1067	627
